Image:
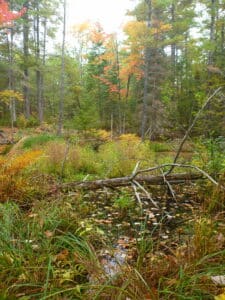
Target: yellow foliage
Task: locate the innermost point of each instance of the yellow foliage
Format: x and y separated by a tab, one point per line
103	134
7	95
17	164
12	184
220	297
2	160
129	137
82	27
136	29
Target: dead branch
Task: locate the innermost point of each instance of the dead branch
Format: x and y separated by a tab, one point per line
173	165
190	128
139	179
7	142
128	180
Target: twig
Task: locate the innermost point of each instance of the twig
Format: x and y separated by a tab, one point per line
169	186
64	160
179	166
136	168
86	177
136	194
190	128
146	192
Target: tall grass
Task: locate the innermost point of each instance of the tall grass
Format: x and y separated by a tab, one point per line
39	140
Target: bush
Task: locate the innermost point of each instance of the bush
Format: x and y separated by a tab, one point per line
13	185
22	122
210	155
69	160
119	158
124	202
38	140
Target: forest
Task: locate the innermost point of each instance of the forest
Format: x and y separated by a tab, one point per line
112	153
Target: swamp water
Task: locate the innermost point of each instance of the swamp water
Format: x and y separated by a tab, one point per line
133	227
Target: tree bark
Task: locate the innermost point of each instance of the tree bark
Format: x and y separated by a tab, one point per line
38	71
26	57
212	32
62	83
146	77
126	181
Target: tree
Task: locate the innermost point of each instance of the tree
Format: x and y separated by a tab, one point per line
62	80
26	29
147	61
6	15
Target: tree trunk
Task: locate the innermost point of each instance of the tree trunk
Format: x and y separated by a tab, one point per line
11	77
126	181
26	57
38	71
173	52
146	77
212	32
62	83
43	61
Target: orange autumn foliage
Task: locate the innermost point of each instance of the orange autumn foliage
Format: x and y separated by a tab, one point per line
13	185
6	15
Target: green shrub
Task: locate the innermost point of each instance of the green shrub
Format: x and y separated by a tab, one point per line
120	157
22	122
38	140
210	155
160	147
124	202
67	161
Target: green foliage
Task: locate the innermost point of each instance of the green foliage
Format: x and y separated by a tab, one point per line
87	117
22	122
119	158
160	147
124	201
56	250
38	140
211	155
25	241
78	160
216	152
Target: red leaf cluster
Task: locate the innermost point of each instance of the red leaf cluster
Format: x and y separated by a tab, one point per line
6	15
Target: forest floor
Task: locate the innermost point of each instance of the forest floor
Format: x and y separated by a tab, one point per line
102	244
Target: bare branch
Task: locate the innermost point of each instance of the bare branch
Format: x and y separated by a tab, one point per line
190	128
146	192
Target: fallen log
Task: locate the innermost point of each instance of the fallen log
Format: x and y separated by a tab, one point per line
2	143
128	180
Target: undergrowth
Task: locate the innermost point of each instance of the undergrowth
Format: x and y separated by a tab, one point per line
53	249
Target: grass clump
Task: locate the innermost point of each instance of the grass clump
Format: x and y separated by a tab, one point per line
38	140
55	248
14	184
44	253
68	161
124	201
119	158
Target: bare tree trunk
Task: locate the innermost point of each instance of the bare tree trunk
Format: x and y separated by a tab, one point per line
126	181
26	56
62	83
10	76
43	61
212	31
173	52
120	112
111	126
38	71
222	36
146	77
